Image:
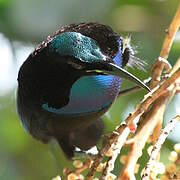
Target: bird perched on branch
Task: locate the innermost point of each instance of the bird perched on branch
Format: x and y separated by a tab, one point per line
69	81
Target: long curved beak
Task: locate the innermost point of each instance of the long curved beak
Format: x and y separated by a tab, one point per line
112	69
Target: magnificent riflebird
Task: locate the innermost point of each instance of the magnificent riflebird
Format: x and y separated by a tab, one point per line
69	81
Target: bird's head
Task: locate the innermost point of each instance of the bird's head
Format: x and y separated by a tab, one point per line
88	57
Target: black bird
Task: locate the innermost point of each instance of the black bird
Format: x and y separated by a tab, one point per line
69	81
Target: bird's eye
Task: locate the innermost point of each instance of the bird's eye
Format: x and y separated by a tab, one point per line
76	65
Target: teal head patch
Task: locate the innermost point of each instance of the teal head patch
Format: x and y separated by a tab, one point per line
76	45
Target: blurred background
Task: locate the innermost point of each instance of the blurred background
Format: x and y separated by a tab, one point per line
23	24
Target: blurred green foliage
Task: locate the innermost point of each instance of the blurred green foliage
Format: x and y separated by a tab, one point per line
26	22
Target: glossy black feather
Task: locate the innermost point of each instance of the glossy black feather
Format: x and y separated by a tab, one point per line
43	79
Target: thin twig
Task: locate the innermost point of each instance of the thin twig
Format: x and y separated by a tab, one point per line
157	147
149	122
173	28
116	147
162	64
129	90
133	89
159	65
150	119
139	142
154	117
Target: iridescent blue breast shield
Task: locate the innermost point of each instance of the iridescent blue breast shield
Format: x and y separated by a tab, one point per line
91	94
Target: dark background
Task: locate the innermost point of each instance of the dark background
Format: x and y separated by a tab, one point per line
23	24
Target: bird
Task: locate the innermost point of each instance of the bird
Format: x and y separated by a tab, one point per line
69	81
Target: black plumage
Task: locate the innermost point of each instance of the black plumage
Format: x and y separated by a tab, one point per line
49	77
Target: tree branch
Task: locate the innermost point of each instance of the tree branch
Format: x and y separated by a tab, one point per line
157	147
